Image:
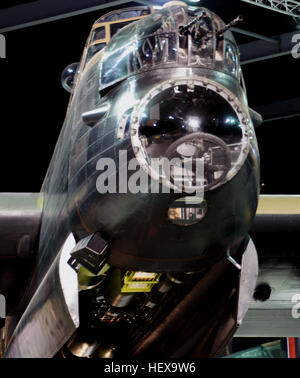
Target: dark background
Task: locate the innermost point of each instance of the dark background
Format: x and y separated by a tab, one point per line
33	103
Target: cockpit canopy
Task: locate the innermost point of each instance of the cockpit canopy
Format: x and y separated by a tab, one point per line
109	24
126	13
156	41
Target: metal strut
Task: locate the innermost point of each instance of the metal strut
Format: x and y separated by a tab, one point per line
200	31
287	7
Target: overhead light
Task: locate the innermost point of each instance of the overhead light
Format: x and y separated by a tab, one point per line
194	123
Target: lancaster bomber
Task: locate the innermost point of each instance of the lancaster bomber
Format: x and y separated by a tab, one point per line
140	231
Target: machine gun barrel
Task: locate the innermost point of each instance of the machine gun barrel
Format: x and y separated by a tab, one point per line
230	25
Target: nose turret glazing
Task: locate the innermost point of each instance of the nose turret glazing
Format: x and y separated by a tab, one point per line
191	120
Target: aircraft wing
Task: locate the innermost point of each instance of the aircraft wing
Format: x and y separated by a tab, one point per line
51	316
276	235
20	219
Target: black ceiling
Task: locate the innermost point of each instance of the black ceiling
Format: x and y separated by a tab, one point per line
12	3
33	103
256	18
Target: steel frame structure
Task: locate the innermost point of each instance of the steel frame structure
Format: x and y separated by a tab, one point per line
287	7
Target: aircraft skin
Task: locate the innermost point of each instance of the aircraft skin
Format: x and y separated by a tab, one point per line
111	110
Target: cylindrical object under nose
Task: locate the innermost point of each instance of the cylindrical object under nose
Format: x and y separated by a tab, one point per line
82	345
113	293
119	299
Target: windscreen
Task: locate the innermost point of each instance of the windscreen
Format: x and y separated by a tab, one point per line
156	41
